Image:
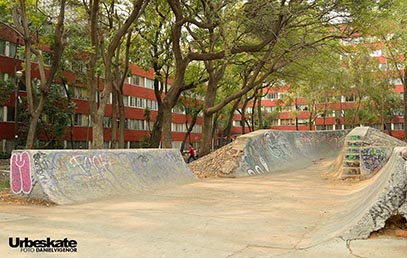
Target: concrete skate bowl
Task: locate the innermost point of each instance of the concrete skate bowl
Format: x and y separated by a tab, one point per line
77	176
269	151
378	192
369	203
378	163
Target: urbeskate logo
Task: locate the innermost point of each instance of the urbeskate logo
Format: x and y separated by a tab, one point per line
48	245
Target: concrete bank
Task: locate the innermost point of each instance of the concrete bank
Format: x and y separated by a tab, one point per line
75	176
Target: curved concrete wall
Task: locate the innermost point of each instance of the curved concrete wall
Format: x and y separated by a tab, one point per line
270	151
74	176
383	196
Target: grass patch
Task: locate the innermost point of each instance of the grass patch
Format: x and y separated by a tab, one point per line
4	184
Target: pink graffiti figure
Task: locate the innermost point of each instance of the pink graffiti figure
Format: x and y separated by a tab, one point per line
20	176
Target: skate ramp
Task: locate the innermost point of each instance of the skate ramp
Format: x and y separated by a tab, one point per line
76	176
379	198
270	151
369	203
376	191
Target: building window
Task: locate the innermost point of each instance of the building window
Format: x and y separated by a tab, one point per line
136	80
137	102
324	127
12	50
178	110
126	101
149	84
274	122
10	114
82	120
272	95
134	124
151	104
2	114
107	122
2	47
178	128
197	129
398	126
80	93
287	121
350	98
376	53
80	145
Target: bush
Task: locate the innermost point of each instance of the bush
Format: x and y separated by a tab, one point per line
5	155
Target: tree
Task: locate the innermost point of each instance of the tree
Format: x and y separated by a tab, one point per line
154	51
28	22
192	107
104	42
52	124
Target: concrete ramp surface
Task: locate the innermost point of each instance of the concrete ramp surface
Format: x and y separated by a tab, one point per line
361	154
74	176
377	199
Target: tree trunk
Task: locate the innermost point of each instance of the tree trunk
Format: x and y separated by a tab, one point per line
230	121
97	126
209	101
33	125
206	145
166	126
121	120
155	137
189	130
259	112
114	119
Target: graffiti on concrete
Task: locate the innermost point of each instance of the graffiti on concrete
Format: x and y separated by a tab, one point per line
352	157
273	150
390	200
20	176
355	137
373	159
69	176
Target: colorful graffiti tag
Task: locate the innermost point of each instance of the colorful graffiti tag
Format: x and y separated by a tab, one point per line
373	159
20	176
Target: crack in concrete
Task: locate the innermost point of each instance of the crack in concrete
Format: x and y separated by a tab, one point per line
348	242
238	251
262	246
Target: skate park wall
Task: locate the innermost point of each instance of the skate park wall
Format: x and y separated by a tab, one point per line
76	176
268	151
384	195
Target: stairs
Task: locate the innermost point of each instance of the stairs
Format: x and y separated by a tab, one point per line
351	156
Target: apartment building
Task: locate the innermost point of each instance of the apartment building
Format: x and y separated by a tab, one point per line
138	96
300	114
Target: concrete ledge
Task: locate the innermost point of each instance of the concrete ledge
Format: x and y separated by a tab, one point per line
75	176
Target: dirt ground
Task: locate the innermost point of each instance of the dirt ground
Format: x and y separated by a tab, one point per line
277	215
267	216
